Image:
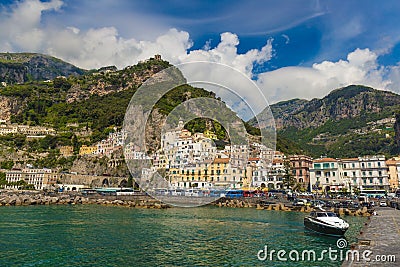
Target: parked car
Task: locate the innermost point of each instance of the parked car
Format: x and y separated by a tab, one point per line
300	202
317	203
382	203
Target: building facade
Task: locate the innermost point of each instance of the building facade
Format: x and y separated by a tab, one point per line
325	175
300	166
362	173
393	166
39	178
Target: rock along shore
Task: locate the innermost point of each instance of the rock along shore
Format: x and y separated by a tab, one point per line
26	198
40	198
285	206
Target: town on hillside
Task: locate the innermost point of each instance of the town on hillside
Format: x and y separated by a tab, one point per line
192	161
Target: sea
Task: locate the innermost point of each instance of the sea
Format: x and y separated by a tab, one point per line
91	235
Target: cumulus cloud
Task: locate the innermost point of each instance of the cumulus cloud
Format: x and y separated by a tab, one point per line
23	29
20	27
360	67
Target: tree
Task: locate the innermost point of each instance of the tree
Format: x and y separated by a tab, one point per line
288	179
8	164
130	181
3	181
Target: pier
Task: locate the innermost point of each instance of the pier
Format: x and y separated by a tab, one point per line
381	236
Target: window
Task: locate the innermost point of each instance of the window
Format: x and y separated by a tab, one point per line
325	165
345	174
327	180
379	163
317	165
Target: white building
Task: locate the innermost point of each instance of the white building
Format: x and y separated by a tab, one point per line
325	175
39	178
362	173
374	173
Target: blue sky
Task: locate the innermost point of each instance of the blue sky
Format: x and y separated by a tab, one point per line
290	48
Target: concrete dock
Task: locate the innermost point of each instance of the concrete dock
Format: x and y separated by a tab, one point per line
379	241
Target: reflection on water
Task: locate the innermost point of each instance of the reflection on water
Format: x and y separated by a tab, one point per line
113	236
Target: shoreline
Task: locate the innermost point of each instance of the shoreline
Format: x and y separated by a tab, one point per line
27	198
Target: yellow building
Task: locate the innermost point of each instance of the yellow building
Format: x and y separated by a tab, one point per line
210	134
393	168
216	173
87	150
197	175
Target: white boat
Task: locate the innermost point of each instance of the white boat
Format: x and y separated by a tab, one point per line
325	222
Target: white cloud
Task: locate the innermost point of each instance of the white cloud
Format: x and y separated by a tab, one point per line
24	30
21	29
361	67
226	53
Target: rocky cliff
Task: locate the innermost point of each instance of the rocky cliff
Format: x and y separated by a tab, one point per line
343	103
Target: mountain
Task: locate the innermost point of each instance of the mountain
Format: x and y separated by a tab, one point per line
98	98
97	101
344	103
349	121
24	67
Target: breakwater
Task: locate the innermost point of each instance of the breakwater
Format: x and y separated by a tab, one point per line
142	200
378	241
286	206
39	198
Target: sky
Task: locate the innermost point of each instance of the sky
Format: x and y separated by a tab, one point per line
290	49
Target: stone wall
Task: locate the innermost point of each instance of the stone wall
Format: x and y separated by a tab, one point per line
93	181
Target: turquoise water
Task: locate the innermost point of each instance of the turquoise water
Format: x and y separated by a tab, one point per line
89	235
